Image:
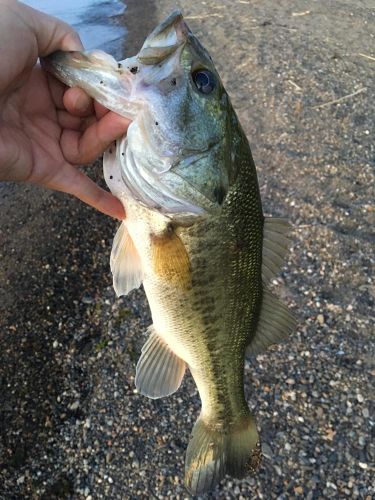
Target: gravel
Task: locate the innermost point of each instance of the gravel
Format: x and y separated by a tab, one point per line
301	75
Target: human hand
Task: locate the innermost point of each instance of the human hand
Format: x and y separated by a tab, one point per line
45	128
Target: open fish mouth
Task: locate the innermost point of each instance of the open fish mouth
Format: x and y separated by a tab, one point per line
100	75
110	82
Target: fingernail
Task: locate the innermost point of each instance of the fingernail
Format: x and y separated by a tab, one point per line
82	103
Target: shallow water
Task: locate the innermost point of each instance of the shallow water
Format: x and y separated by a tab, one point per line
95	21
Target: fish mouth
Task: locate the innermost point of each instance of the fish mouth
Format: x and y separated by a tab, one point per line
164	40
112	83
99	74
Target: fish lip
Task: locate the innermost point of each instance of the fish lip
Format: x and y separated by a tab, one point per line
98	74
164	40
81	61
174	21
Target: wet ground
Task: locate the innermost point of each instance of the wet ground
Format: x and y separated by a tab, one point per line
301	75
96	21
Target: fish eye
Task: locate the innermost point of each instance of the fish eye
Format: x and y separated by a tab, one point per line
204	80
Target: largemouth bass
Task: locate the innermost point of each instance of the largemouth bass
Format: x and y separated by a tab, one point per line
194	235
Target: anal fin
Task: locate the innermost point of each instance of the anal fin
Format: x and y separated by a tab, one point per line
125	263
159	370
275	323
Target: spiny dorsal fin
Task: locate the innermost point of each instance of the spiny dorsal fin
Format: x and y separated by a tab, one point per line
159	370
275	323
275	246
125	263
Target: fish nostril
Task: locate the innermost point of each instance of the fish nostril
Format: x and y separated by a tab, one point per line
134	70
173	81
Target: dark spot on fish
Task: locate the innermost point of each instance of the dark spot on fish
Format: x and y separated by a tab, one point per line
134	70
173	81
111	176
219	194
119	65
101	82
169	228
122	154
156	123
240	245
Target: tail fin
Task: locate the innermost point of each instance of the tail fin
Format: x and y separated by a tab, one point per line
214	451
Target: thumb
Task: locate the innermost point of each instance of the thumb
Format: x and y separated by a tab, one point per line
51	33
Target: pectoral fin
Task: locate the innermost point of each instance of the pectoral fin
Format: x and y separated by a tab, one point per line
170	259
125	263
275	323
159	371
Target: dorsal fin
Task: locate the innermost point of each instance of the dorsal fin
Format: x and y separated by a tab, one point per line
125	263
275	246
275	323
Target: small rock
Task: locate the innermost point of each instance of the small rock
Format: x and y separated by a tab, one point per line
87	299
74	406
331	485
366	413
362	465
320	319
278	470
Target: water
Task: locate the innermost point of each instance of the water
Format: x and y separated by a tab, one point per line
93	19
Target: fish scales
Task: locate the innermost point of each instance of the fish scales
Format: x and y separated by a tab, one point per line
194	235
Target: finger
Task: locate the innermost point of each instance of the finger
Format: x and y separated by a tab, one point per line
72	181
100	110
57	90
79	148
51	33
71	122
66	120
77	102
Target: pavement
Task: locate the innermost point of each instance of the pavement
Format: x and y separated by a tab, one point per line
301	76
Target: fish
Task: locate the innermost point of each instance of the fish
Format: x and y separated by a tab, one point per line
194	234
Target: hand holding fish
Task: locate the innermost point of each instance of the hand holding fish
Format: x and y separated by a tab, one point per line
45	128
